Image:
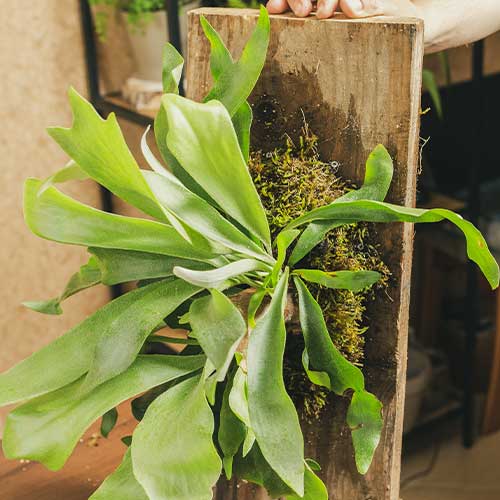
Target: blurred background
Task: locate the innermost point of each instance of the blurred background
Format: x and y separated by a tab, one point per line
110	51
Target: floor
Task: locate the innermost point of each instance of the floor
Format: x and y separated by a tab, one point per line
457	474
94	458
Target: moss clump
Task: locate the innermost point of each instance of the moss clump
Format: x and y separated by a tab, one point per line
347	247
291	181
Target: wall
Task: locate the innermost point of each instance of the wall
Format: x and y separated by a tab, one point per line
41	55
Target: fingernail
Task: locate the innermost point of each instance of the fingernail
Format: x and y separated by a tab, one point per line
302	9
321	8
356	6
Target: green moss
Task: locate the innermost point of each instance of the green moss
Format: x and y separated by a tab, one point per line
292	181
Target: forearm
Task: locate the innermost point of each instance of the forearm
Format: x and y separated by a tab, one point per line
450	23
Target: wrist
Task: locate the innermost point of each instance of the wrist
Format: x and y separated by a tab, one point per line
435	29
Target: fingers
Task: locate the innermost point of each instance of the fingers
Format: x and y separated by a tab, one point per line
326	8
362	8
301	8
277	6
351	8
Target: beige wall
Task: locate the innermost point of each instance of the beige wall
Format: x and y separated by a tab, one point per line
41	54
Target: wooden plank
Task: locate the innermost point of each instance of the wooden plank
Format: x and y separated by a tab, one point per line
358	84
120	101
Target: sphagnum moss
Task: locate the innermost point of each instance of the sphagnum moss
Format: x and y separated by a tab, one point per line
291	181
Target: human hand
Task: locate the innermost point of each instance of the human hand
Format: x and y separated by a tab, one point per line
448	23
351	8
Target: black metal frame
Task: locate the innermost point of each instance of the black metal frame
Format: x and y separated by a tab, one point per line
104	105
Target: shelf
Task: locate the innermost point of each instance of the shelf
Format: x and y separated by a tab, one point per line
446	408
435	421
447	240
440	200
116	104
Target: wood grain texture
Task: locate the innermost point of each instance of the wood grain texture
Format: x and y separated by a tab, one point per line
357	83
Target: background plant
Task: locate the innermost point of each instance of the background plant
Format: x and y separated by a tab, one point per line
140	12
209	242
429	82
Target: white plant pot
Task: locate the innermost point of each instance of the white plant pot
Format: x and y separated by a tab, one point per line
147	46
147	43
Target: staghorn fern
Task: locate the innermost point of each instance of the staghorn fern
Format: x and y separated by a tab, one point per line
209	240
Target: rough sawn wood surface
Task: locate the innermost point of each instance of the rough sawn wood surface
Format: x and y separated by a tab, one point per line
357	83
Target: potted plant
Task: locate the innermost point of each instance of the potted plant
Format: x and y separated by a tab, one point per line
240	279
146	22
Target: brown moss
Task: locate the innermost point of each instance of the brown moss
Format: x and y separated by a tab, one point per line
290	182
